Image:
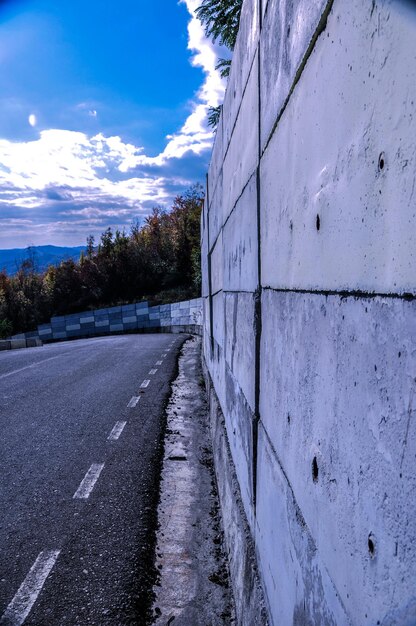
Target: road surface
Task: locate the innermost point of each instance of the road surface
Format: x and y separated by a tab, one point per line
80	451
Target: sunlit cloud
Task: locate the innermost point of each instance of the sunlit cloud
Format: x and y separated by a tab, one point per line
65	184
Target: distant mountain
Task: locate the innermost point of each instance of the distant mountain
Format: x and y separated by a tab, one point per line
44	256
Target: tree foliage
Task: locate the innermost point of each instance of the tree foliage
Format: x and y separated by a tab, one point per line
159	260
221	19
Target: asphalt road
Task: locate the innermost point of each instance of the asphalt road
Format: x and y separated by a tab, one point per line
78	487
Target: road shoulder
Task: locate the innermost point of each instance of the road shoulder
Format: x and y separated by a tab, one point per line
193	586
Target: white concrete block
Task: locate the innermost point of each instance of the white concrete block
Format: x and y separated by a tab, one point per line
102	323
129	320
242	156
288	28
337	401
87	320
45	331
240	243
349	157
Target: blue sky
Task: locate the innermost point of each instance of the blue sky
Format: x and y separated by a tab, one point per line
102	113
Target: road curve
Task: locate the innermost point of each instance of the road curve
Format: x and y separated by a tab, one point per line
80	451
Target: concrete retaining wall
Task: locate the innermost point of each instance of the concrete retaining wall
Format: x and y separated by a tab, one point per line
309	286
183	316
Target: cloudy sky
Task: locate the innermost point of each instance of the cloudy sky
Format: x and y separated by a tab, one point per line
102	113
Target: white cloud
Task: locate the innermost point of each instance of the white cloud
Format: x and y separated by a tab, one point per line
195	135
74	181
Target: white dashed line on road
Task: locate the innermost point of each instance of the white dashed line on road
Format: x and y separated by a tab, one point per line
133	402
145	384
164	356
152	372
117	430
27	594
88	482
28	367
159	362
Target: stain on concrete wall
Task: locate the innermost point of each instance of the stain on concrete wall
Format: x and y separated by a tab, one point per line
309	295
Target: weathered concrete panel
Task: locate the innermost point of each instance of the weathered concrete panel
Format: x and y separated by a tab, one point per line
217	159
217	265
337	401
239	422
288	29
216	212
338	195
298	588
240	341
204	264
241	249
244	51
239	164
218	319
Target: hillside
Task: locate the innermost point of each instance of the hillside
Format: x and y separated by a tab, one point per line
44	256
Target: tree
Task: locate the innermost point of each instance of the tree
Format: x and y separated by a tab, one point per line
160	258
221	19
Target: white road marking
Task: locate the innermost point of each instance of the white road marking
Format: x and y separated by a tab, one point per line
159	362
27	594
152	372
116	432
88	482
27	367
164	355
145	384
133	402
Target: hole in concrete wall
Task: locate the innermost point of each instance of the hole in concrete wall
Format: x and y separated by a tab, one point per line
315	470
318	222
400	354
288	30
291	225
381	161
371	545
288	418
